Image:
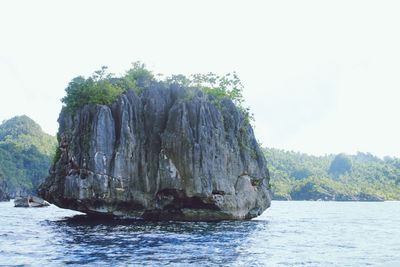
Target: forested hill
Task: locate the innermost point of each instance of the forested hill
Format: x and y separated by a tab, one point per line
362	176
26	153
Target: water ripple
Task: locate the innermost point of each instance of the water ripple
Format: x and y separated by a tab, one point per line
289	234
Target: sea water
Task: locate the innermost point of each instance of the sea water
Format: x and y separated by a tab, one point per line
299	233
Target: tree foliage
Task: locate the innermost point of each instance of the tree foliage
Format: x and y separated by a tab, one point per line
303	176
104	88
228	86
25	155
23	132
340	165
97	89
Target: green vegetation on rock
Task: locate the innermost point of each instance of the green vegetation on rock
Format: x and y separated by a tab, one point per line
26	153
104	88
342	177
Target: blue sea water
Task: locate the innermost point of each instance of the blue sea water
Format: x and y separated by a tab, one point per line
288	234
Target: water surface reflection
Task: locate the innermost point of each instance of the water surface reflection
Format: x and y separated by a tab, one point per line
85	240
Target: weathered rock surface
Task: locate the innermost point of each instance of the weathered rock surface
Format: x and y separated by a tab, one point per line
168	154
30	201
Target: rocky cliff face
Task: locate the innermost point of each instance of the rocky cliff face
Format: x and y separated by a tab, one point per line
169	153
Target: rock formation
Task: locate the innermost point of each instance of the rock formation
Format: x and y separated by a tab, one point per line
169	153
30	202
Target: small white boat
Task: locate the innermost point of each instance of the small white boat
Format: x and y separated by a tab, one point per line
30	201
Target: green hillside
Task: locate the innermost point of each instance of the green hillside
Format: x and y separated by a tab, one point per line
23	132
362	176
26	153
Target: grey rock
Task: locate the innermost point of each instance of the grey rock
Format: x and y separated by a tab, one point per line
281	197
30	201
21	202
169	153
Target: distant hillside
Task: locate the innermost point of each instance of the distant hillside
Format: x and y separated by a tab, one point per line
24	133
26	153
362	176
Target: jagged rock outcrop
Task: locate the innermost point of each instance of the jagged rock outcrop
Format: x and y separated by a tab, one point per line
168	154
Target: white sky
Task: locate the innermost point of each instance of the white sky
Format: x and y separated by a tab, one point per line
320	76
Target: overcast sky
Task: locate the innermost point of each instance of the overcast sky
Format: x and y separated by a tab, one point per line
320	76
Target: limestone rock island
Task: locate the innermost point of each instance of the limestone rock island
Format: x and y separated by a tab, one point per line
169	152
